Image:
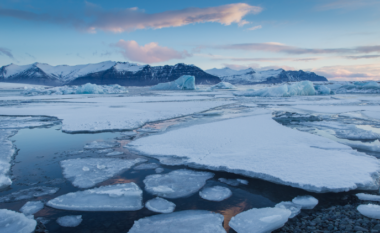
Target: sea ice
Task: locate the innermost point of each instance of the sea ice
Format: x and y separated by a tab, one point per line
146	166
29	193
215	193
160	205
242	181
368	197
222	85
185	82
307	202
231	182
114	153
323	90
32	207
294	208
176	184
159	170
85	173
118	197
187	221
295	89
259	220
100	145
7	151
245	146
11	222
104	151
370	87
170	161
370	210
70	220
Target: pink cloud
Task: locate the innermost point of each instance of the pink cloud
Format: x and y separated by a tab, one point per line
350	72
149	53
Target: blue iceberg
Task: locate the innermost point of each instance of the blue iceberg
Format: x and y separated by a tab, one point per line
295	89
185	82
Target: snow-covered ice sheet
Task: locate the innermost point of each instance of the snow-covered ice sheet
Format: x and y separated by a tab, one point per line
185	82
70	220
176	184
119	197
368	197
32	207
29	193
294	208
259	220
245	146
160	205
307	202
187	221
85	173
215	193
11	222
370	210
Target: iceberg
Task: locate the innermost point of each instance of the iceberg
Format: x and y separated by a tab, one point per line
368	197
259	220
185	82
370	210
29	193
176	184
146	166
295	89
118	197
215	193
101	145
86	173
70	220
32	207
323	90
307	202
294	208
160	205
187	221
11	222
370	87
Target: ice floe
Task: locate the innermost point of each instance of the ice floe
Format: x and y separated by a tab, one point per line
7	151
119	197
176	184
231	182
185	82
259	220
245	146
159	170
146	166
29	193
32	207
370	210
11	222
286	90
114	153
307	202
101	145
187	221
160	205
85	173
104	151
294	208
70	220
368	197
215	193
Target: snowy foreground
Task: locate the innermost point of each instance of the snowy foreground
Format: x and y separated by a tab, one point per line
316	137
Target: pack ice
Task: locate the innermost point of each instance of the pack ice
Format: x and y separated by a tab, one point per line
245	146
368	197
118	197
215	193
370	210
160	205
259	220
11	222
85	173
187	221
295	89
307	202
101	145
176	184
29	193
32	207
70	220
294	208
185	82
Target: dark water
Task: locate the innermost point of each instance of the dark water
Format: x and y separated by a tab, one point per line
37	164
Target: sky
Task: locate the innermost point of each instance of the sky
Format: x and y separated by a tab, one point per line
339	39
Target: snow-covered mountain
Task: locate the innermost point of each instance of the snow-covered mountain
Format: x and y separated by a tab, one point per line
108	72
250	76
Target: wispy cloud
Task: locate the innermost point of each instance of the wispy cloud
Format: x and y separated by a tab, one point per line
95	18
257	59
255	28
6	52
362	57
149	53
350	72
346	4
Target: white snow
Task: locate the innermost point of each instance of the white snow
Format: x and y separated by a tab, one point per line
187	221
85	173
295	89
29	193
176	184
245	146
119	197
370	210
70	220
215	193
307	202
160	205
294	208
368	197
185	82
11	222
245	76
32	207
146	166
259	220
130	67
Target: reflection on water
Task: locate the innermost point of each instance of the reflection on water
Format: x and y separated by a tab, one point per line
229	213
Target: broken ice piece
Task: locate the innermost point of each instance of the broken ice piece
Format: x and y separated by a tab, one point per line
29	193
160	205
215	193
370	210
368	197
115	153
32	207
294	208
104	151
231	182
307	202
70	220
100	145
241	181
11	222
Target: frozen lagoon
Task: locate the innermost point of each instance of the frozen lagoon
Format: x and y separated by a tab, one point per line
42	149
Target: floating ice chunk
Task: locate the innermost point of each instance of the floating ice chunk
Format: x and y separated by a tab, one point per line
119	197
307	202
146	166
29	193
368	197
299	88
242	181
160	205
188	221
370	210
176	184
11	222
215	193
259	220
323	90
185	82
115	153
7	151
294	208
100	145
353	133
159	170
222	85
32	207
104	151
231	182
70	220
85	173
